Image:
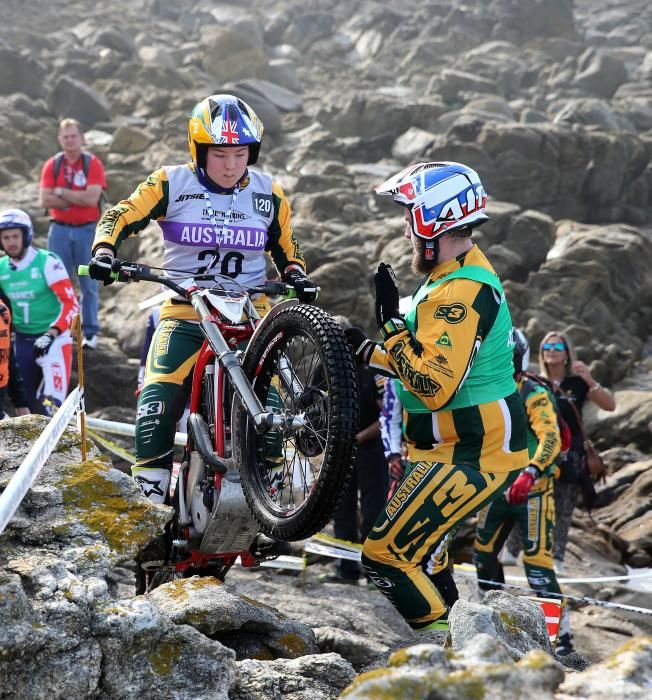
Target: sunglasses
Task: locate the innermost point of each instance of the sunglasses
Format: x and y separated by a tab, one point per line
559	347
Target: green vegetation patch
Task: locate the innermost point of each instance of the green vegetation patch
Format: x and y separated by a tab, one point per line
535	659
91	496
293	643
164	656
180	588
509	621
389	684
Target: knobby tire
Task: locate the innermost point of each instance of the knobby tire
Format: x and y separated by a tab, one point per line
332	352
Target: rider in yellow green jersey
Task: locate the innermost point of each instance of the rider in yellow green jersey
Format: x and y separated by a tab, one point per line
529	501
464	420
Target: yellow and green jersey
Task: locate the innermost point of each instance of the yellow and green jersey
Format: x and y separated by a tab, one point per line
544	441
454	359
244	224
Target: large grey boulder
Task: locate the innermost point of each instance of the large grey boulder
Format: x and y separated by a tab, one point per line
20	73
518	623
561	170
378	114
75	523
453	82
482	669
280	97
104	388
71	98
626	675
582	288
356	623
630	422
63	633
630	517
267	111
229	54
116	40
322	676
592	111
412	144
528	238
345	286
146	654
245	625
532	19
599	73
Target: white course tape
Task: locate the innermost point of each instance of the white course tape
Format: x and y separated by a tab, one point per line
33	463
112	447
565	596
594	579
126	429
156	299
339	549
286	562
330	551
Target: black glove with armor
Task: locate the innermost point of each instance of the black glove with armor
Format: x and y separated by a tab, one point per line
306	290
42	345
101	267
386	295
361	346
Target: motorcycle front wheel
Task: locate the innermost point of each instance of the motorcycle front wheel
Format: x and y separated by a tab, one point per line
300	366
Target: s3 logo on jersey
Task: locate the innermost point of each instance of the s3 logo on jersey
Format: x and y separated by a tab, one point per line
451	313
152	408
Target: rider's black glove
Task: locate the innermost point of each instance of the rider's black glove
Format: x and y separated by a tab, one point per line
305	289
386	295
361	346
101	268
42	345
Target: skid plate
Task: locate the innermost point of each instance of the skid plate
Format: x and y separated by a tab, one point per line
232	527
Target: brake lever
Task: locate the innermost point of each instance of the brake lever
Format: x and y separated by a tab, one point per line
129	271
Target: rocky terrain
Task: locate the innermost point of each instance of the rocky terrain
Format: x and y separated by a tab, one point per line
71	627
551	101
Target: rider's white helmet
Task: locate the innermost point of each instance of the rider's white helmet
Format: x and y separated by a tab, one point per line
441	197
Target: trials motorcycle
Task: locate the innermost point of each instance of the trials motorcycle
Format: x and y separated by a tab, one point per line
271	427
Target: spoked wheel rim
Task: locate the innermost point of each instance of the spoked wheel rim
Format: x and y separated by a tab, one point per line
317	453
289	461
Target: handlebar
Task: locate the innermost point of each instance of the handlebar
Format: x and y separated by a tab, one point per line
133	272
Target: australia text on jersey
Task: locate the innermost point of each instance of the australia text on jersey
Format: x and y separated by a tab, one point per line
192	234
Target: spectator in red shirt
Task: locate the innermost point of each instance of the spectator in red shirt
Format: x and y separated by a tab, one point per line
71	186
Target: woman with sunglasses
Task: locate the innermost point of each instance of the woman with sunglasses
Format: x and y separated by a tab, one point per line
573	384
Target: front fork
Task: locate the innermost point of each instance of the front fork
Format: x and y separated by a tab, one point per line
263	420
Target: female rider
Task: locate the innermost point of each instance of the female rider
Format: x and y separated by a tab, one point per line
214	212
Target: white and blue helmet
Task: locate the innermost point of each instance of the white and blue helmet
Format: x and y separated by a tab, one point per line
17	218
441	197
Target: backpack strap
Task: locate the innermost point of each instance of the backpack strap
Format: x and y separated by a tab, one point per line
58	162
86	162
